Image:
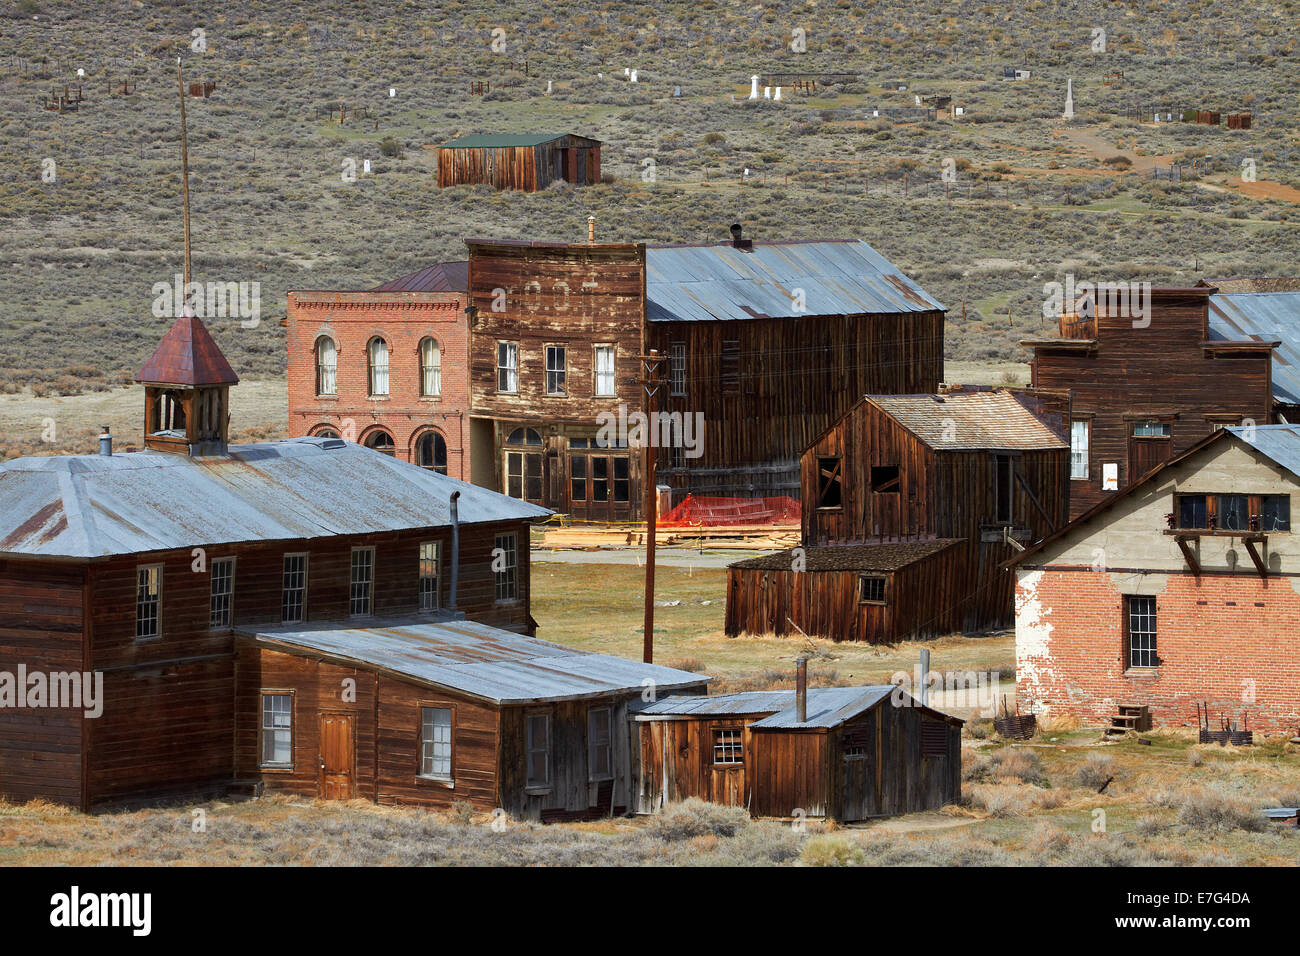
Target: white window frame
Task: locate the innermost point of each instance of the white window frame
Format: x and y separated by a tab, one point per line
1080	448
532	747
508	368
557	377
361	590
677	369
604	362
600	722
227	616
430	368
732	745
430	598
285	589
378	362
327	372
148	602
274	729
434	749
507	579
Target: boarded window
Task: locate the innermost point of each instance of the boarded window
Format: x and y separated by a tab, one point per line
728	747
871	589
600	743
830	486
277	730
148	601
293	596
362	584
885	479
430	558
223	589
538	733
730	366
1140	630
435	742
934	737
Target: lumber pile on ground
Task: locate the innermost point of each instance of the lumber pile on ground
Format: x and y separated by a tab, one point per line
741	537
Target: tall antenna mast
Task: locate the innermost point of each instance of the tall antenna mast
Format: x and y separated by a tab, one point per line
185	180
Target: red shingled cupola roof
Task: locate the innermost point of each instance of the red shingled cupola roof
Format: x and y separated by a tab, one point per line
187	355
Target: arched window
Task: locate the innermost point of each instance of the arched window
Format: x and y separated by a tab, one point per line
430	368
327	366
524	436
378	367
381	441
325	431
431	452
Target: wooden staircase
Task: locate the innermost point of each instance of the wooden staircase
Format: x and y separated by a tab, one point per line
1134	717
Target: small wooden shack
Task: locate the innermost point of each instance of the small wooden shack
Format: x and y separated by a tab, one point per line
842	753
530	162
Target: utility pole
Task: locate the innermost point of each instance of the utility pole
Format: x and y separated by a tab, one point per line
185	182
650	381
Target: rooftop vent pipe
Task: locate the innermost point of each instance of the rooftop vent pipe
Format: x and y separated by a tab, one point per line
801	689
745	245
455	551
591	228
106	442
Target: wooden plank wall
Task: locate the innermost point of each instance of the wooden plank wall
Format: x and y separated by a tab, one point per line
527	168
42	626
170	713
797	376
1157	370
677	762
920	601
894	776
791	773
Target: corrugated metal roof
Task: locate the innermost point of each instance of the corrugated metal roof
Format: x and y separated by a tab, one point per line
838	277
1279	442
504	140
969	420
827	706
877	556
95	505
1264	317
477	659
188	355
440	277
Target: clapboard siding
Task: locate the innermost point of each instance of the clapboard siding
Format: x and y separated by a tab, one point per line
43	628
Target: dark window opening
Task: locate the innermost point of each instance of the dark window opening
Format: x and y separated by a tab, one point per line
830	491
1192	511
1005	475
934	737
1275	513
885	479
1234	513
871	589
1140	627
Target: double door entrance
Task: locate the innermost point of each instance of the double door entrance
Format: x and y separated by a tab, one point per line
574	476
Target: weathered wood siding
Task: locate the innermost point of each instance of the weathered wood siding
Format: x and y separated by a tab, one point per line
795	376
43	627
677	762
573	159
791	773
1161	372
826	603
893	776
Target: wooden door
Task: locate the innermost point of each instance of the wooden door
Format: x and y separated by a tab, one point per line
724	764
338	758
524	476
1144	454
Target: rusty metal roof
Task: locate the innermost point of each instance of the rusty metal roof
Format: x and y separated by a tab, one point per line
89	506
706	283
187	355
440	277
968	421
827	706
475	659
1264	317
875	556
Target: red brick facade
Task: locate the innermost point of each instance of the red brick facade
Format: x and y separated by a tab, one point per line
352	320
1231	640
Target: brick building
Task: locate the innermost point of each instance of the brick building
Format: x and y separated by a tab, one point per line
386	368
1180	590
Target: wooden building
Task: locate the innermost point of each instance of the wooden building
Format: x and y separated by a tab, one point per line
529	162
1143	389
386	367
1265	311
911	505
432	712
1177	593
140	567
842	753
762	346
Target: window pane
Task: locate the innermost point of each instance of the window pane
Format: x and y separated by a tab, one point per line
294	594
378	367
578	477
1234	513
223	585
362	582
435	742
277	731
605	370
1142	631
677	369
1275	513
1079	449
1191	511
